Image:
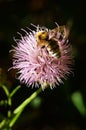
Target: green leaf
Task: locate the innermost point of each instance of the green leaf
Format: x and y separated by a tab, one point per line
77	100
15	118
27	101
2	123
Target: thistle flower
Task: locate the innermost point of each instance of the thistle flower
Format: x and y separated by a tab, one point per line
38	61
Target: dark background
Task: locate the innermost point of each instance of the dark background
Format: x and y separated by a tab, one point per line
56	110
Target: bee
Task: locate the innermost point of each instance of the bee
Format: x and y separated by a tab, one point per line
49	39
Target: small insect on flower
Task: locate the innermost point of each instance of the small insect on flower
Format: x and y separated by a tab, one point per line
50	39
43	56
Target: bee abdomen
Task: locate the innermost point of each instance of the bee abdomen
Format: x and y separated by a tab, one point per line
53	49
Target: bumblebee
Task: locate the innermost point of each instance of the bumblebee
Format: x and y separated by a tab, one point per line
49	39
51	45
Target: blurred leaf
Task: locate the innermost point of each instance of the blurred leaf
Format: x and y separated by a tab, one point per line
2	123
77	100
36	102
3	102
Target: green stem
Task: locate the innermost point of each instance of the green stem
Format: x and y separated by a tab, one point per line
9	111
27	101
5	90
15	90
20	108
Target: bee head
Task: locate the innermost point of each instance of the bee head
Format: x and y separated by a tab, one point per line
42	35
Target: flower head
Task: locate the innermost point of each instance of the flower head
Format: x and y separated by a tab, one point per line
42	57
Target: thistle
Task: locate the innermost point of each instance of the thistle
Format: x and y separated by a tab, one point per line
44	64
